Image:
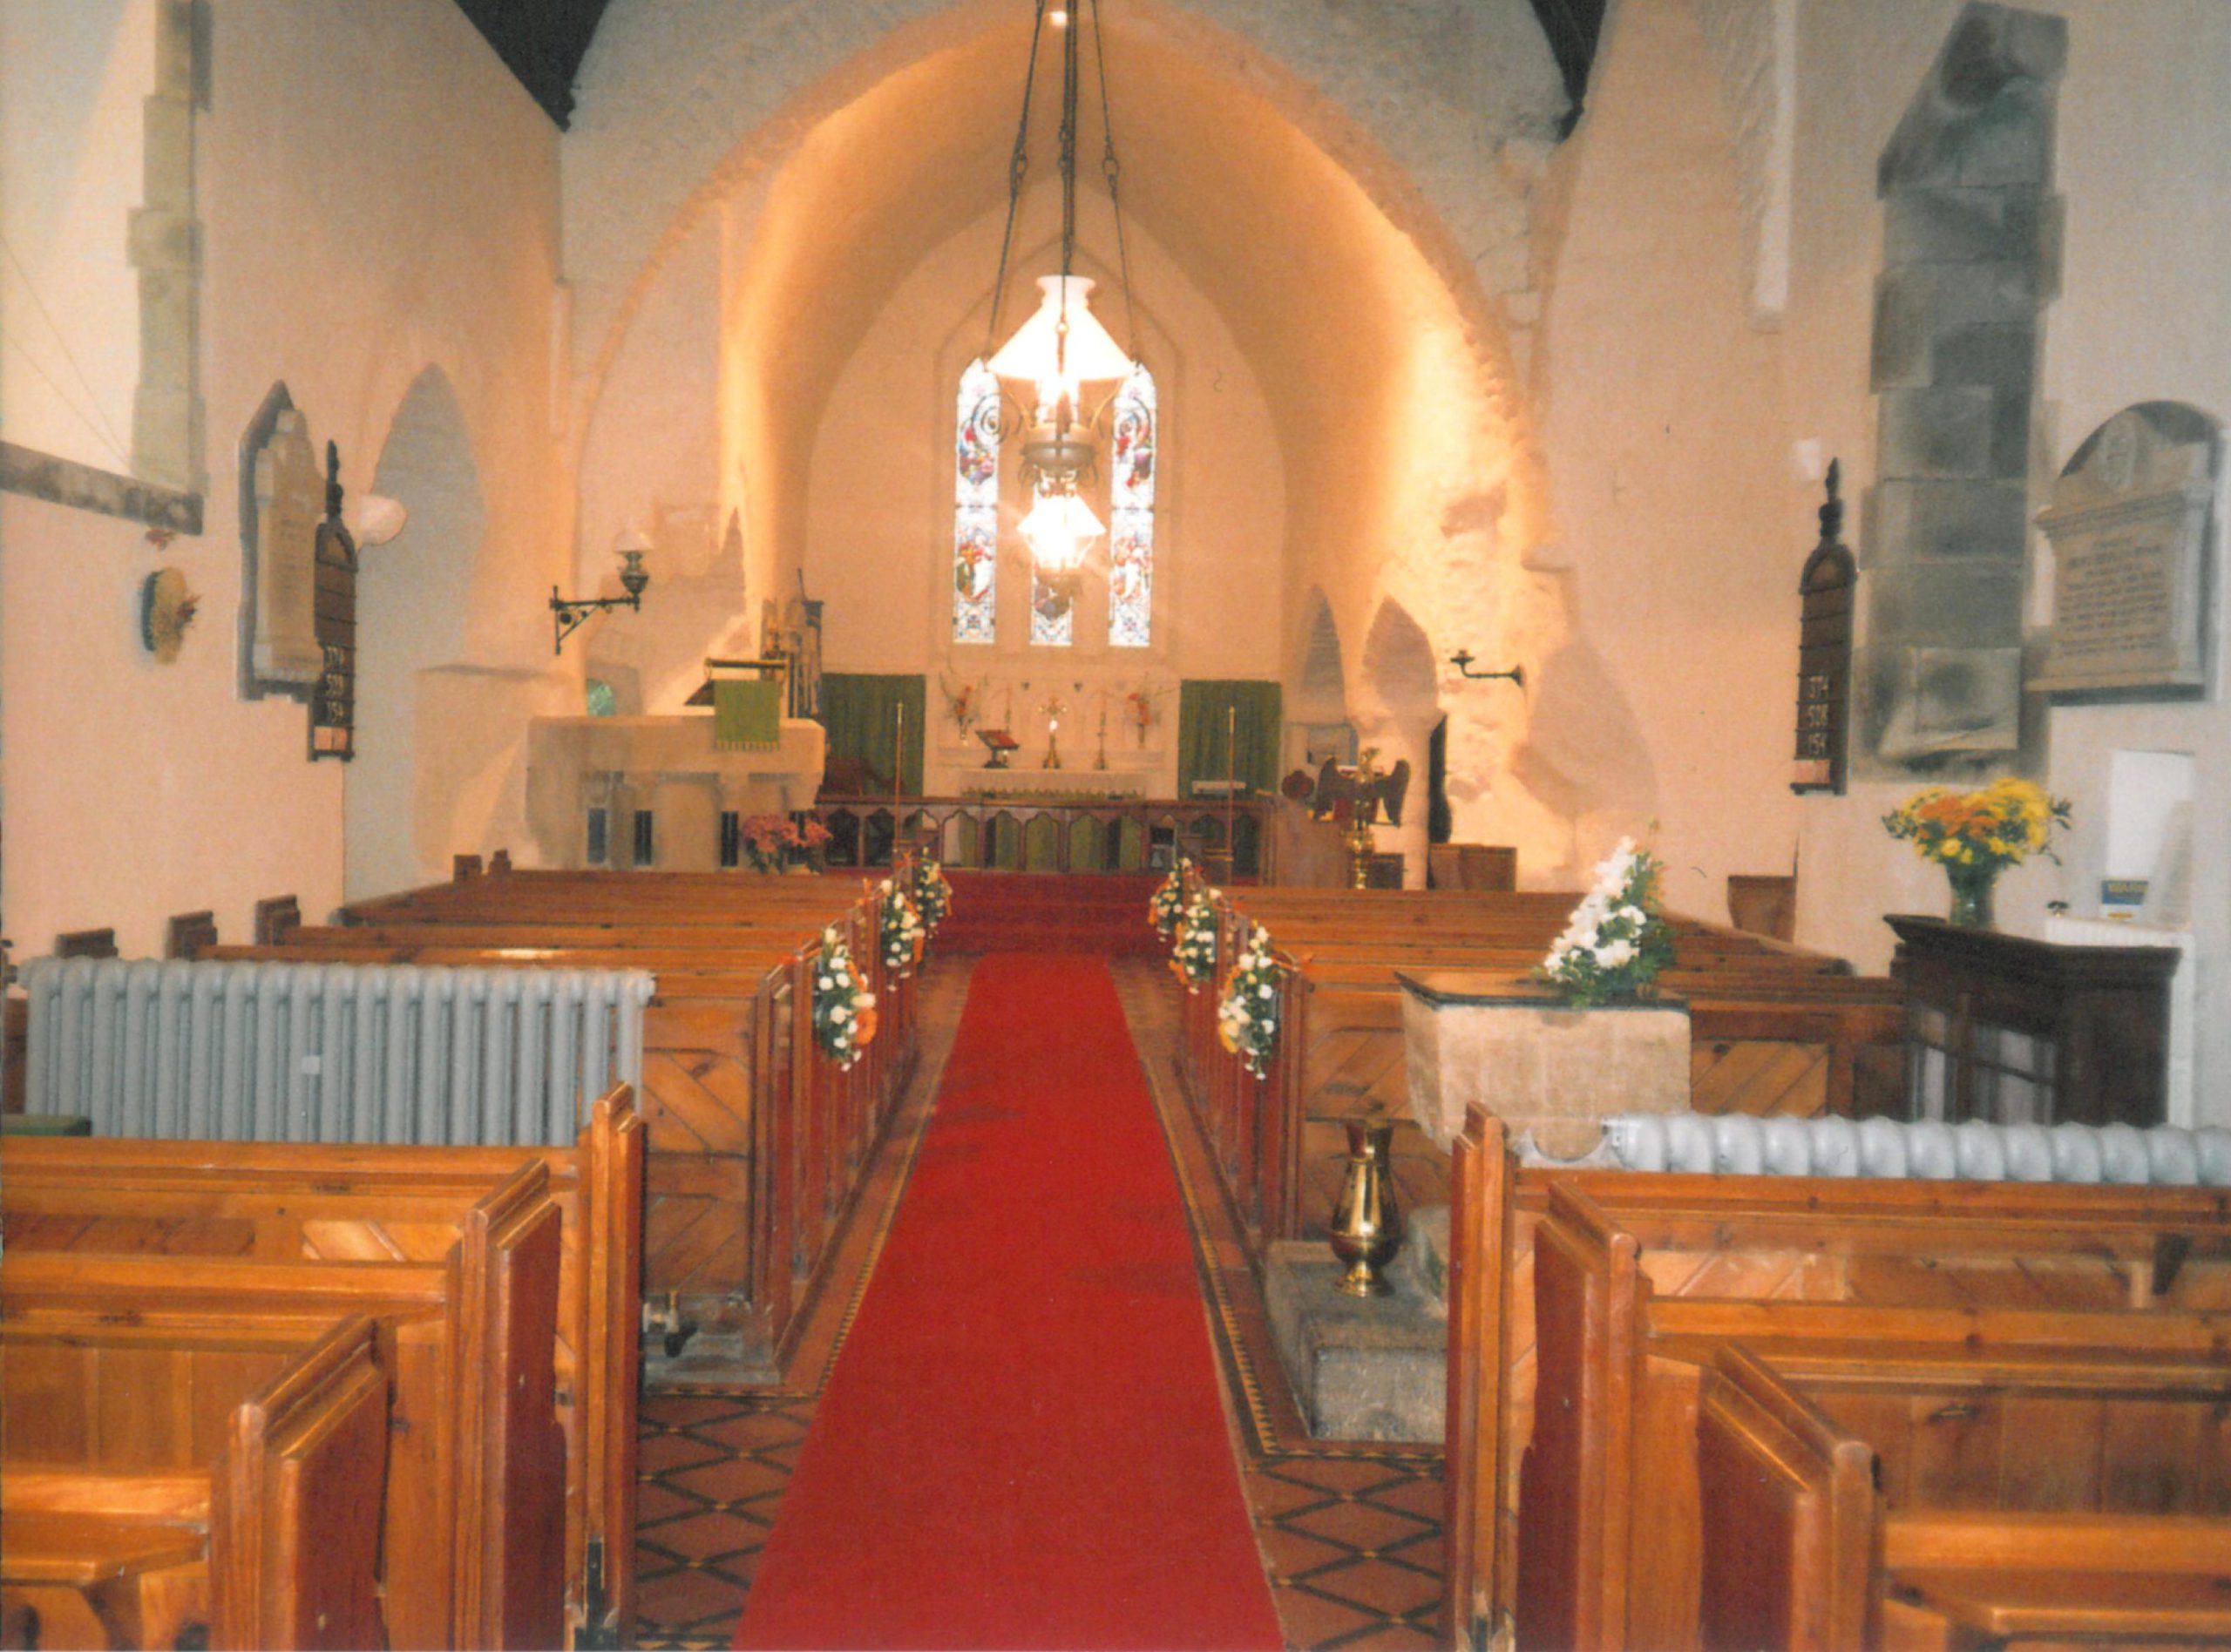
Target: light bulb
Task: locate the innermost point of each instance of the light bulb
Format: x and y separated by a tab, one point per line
1058	530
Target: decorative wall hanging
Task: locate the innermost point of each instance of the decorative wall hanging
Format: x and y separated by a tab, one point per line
281	497
1827	588
166	608
298	575
2132	548
333	705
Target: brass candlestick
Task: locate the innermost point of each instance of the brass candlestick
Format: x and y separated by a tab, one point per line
1363	845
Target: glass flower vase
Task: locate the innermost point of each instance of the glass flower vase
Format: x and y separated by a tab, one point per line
1971	892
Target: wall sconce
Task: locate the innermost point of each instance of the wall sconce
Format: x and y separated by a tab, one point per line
1462	661
566	616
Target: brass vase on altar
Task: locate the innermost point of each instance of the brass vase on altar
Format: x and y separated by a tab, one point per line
1366	1224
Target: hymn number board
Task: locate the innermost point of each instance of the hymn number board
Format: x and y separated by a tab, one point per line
1827	587
333	701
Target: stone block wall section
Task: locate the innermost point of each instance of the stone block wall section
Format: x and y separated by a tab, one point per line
1971	257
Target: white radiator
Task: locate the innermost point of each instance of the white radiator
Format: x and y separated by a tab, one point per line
1737	1144
353	1053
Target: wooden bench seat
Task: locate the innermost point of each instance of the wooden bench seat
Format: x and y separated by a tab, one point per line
1758	1258
473	1523
300	1202
269	1538
1806	1542
1607	1498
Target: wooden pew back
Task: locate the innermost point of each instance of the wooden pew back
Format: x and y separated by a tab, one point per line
474	1524
300	1202
285	1503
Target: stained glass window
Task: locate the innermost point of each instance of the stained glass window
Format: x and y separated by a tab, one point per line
1130	514
976	505
1053	609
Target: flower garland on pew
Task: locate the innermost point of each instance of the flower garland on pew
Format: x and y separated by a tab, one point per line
899	927
1194	959
933	895
1247	1015
844	1009
1167	902
1616	942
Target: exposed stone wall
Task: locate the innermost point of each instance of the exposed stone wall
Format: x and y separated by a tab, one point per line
1969	259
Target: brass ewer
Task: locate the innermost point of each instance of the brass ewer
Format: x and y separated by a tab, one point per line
1367	1225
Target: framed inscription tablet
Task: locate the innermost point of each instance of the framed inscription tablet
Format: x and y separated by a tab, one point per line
2132	552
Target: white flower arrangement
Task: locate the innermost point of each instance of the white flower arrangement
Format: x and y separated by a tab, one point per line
899	926
1194	959
1616	942
843	1010
932	894
1168	904
1247	1015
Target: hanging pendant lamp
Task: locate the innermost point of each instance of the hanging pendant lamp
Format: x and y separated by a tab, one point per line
1062	353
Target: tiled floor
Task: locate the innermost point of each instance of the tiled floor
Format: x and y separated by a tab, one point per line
1350	1534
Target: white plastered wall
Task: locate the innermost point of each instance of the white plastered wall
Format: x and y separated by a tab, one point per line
359	225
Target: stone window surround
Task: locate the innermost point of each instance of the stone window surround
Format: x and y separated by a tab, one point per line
164	243
1970	259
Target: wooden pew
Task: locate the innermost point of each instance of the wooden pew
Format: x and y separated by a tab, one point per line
757	1145
1964	1247
474	1522
266	1534
753	1153
1607	1498
2115	1528
1773	1029
300	1202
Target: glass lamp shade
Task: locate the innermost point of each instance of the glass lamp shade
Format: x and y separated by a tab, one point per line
1058	530
1089	355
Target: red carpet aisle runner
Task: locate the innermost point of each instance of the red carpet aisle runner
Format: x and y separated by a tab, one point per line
1049	912
1022	1444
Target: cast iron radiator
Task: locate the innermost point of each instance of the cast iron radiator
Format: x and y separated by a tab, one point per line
342	1053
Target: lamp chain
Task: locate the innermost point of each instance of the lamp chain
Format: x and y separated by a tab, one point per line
1018	170
1112	172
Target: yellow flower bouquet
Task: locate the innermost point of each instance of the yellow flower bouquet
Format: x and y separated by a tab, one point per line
1976	836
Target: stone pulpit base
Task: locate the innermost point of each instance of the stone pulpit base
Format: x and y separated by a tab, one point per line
1513	1047
669	766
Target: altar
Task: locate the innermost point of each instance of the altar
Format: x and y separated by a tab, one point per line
654	791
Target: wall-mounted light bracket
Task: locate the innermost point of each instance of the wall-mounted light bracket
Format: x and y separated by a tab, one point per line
567	614
1462	661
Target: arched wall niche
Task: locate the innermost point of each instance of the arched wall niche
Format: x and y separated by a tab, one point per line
440	764
1395	707
1319	680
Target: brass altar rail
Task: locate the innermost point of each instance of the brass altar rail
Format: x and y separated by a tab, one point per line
1049	833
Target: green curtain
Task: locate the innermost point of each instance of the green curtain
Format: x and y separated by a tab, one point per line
1212	716
863	713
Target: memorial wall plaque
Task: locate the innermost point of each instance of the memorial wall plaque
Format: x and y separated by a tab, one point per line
2133	549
